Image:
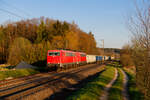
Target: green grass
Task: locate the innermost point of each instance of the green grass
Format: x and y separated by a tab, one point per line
115	92
115	64
17	73
93	89
134	92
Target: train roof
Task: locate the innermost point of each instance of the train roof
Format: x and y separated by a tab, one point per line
66	51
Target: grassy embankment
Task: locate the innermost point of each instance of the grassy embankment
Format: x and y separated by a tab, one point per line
93	89
134	92
17	73
115	93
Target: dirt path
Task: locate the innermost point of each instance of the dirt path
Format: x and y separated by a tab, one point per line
125	81
108	86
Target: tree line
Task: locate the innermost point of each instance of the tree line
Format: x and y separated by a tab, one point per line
29	40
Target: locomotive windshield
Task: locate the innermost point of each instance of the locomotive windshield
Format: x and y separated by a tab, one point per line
54	53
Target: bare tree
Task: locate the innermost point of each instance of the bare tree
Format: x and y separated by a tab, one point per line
139	25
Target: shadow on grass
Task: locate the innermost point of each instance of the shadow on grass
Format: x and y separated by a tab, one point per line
10	67
91	91
41	66
39	63
65	92
134	93
115	94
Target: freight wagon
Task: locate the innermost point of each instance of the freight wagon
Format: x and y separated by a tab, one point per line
90	59
99	59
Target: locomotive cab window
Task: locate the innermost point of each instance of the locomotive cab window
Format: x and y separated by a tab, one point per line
54	53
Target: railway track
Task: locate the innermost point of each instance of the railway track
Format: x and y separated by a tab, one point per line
7	83
30	85
13	82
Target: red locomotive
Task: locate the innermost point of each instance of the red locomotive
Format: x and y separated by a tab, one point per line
64	58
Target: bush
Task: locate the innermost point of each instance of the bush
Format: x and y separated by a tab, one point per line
126	56
19	51
22	50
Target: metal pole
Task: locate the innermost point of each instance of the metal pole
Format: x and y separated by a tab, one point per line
103	47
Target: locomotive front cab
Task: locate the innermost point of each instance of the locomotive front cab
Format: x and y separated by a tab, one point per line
53	58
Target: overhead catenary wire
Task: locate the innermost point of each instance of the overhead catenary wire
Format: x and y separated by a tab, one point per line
11	13
17	9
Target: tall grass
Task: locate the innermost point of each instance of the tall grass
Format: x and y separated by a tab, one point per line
17	73
115	92
93	89
134	92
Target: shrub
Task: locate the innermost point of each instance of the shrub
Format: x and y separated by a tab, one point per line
19	51
22	50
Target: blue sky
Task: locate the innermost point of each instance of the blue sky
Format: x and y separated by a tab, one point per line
105	18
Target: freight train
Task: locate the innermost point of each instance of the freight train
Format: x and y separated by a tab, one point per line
63	58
